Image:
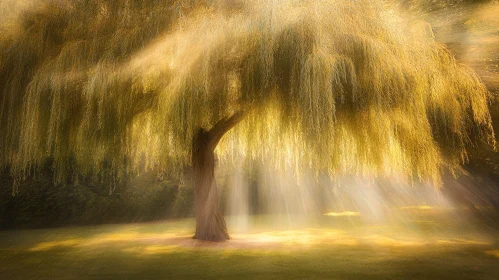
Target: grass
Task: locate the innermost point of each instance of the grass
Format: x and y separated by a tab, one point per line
330	249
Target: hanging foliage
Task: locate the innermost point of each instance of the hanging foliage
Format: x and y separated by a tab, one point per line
107	88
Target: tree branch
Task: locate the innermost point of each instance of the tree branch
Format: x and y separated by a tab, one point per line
224	125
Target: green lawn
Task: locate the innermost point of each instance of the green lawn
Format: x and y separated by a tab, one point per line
416	249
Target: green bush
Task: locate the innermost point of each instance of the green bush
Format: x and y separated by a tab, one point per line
40	203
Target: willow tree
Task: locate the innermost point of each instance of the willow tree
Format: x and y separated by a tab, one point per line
105	88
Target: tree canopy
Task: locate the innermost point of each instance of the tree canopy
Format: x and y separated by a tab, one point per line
106	88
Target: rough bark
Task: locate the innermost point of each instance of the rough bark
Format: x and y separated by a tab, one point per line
210	223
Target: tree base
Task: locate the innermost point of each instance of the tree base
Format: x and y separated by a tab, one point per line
215	230
212	238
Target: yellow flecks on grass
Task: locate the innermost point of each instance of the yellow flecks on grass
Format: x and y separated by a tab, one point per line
112	239
308	237
346	242
461	241
303	237
424	209
417	207
145	244
45	246
343	214
151	250
393	242
494	253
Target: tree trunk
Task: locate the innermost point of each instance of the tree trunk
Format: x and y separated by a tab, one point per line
210	223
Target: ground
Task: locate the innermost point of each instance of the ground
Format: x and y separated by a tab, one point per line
332	247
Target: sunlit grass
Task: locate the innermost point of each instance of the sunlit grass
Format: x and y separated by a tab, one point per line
165	250
342	214
494	253
418	207
45	246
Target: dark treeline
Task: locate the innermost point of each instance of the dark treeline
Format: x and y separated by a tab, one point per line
41	203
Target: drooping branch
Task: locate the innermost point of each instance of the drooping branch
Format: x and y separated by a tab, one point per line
224	125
